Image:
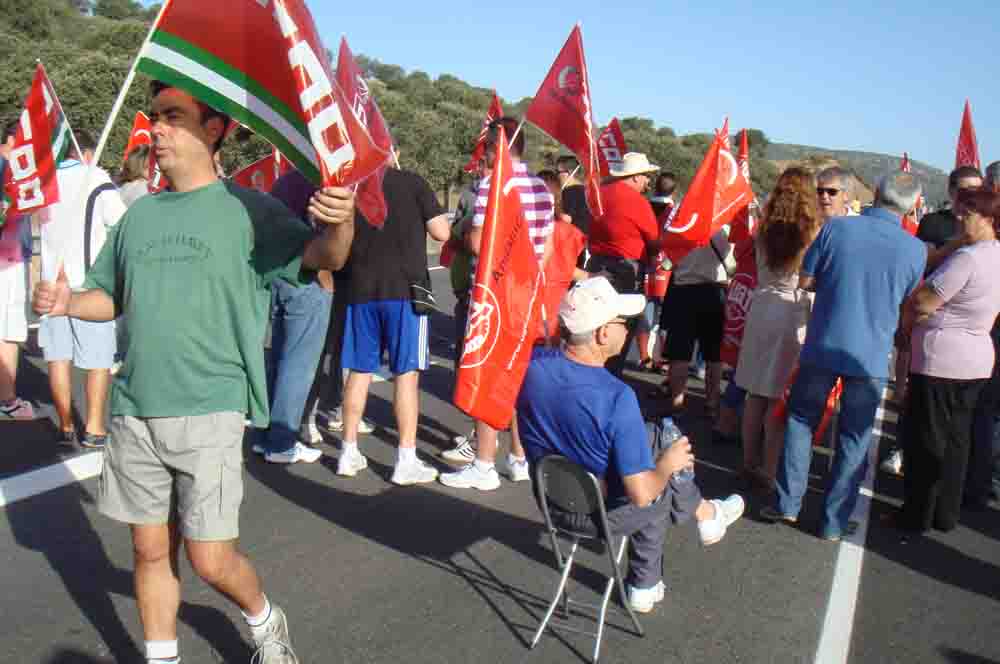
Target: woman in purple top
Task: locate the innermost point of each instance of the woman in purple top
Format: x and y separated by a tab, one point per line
952	356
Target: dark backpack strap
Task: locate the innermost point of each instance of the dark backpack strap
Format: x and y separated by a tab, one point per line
88	220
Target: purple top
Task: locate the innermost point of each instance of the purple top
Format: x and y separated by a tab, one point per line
955	342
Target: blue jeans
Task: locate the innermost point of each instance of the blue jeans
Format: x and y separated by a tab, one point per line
299	320
858	403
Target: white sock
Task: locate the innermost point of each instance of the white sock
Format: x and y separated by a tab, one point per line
349	448
511	459
406	455
162	650
483	466
260	618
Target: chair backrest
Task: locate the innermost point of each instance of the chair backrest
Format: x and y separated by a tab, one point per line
568	486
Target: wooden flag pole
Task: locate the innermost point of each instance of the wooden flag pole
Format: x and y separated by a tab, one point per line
571	175
516	132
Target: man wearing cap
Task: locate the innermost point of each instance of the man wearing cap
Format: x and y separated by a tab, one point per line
620	239
572	406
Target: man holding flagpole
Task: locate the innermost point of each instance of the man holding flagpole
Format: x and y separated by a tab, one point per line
191	270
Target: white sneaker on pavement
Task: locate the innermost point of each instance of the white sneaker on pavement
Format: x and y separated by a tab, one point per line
471	477
313	435
298	452
274	645
336	425
726	513
351	463
642	600
413	472
893	464
517	469
463	452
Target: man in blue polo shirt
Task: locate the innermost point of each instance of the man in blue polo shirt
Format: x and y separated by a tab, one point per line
861	270
571	405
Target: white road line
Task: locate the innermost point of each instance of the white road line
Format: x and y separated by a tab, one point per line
835	638
26	485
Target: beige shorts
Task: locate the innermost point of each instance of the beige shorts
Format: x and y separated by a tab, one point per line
188	468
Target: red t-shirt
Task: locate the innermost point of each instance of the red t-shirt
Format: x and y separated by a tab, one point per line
627	225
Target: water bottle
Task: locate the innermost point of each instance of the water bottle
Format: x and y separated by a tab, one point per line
671	434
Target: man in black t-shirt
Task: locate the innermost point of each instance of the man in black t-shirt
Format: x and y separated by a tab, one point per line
940	230
574	196
384	266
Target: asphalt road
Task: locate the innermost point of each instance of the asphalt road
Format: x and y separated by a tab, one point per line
371	572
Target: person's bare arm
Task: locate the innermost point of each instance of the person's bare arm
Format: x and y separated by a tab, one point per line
54	298
807	282
333	207
438	228
645	487
473	238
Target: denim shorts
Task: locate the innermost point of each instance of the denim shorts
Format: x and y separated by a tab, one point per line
87	344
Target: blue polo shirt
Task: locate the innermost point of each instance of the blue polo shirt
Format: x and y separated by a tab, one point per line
864	268
586	415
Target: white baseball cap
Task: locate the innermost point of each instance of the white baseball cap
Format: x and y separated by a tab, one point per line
594	302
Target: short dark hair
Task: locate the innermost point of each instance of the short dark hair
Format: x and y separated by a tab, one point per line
666	183
510	126
10	129
85	140
548	175
567	162
961	173
207	112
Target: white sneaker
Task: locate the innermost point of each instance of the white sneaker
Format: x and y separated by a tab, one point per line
350	464
257	448
313	435
517	469
464	451
274	645
297	453
642	600
726	513
471	477
413	472
336	424
893	463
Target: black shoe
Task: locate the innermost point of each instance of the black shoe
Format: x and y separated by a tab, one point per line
93	441
772	515
67	438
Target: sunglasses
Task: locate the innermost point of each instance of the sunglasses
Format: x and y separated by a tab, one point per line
829	191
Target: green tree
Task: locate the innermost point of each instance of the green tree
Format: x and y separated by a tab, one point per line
119	9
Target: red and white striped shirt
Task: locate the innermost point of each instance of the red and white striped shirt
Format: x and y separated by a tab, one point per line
536	203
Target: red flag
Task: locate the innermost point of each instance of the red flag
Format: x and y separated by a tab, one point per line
561	108
718	192
42	140
503	311
263	173
910	224
744	224
967	153
495	112
611	147
370	197
142	134
780	412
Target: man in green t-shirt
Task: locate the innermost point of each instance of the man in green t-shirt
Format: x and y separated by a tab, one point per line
190	269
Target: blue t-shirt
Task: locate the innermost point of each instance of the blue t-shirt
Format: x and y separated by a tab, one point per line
586	415
864	268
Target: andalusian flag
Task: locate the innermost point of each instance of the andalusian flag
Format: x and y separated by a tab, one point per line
263	64
42	141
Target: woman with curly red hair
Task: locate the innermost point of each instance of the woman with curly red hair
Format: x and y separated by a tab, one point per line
776	324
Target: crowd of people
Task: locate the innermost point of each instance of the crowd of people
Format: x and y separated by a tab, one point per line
196	274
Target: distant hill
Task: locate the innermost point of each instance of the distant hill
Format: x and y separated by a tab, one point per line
868	167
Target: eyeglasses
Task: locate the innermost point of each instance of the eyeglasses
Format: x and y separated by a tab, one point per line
829	191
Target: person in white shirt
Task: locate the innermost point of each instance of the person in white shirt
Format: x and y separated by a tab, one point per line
73	232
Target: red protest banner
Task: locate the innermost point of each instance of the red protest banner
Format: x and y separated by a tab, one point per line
495	112
611	147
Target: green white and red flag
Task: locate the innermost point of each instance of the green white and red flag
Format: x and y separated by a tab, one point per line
370	197
262	63
41	142
495	112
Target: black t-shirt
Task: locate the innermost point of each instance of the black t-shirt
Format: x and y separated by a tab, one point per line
937	228
384	262
574	203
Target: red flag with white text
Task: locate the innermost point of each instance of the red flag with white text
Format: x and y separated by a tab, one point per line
743	225
967	152
717	194
910	224
611	147
264	65
41	141
263	173
495	112
504	308
562	109
370	198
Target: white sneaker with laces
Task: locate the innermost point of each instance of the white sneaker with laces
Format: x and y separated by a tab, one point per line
893	463
297	453
351	463
726	513
413	472
642	600
274	645
312	434
517	469
471	477
336	425
463	452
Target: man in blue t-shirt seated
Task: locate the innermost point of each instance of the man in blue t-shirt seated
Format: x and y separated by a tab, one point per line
572	406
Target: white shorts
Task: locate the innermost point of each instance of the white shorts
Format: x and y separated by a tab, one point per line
13	302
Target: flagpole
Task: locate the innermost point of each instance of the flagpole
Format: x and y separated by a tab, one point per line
120	101
571	175
516	132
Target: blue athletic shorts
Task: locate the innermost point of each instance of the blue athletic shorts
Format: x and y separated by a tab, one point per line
388	326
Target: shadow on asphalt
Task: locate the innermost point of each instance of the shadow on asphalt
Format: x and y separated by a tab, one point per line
956	656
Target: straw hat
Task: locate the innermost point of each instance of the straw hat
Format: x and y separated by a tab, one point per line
634	163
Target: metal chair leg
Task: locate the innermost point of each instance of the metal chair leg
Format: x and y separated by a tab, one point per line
567	566
620	582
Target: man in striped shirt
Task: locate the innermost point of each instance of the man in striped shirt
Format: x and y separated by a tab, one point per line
538	207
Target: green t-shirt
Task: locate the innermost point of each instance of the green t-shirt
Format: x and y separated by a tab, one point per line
191	274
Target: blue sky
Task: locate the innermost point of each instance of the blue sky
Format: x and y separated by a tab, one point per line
884	76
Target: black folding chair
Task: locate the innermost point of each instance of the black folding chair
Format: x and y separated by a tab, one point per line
577	495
